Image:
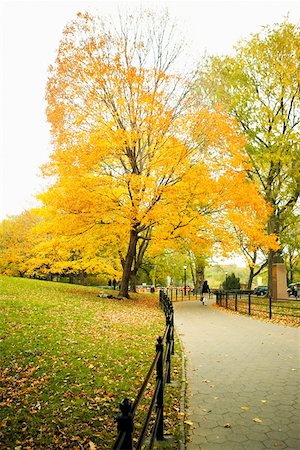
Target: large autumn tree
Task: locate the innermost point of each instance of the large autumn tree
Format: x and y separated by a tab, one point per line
260	86
134	158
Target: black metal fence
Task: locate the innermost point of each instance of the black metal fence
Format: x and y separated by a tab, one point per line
183	294
162	365
247	303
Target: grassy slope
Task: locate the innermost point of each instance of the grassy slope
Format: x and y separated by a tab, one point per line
67	358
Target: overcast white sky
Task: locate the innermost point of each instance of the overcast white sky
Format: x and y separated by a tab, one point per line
30	34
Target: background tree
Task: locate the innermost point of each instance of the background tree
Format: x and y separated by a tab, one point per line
291	247
16	244
232	282
260	86
255	255
76	255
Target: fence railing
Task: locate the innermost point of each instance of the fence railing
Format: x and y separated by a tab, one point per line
182	294
245	302
161	363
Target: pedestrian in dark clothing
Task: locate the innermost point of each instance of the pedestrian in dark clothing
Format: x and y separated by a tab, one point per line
109	283
205	292
114	283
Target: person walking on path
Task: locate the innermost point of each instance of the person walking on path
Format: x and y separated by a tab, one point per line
205	293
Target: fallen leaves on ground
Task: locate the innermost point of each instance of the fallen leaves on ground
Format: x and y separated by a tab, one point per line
263	315
68	359
257	420
189	423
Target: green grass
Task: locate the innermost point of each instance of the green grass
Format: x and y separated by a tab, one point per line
67	358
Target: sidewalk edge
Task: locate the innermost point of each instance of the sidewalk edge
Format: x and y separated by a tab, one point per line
182	394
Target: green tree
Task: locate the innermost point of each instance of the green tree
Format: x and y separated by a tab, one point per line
260	86
231	282
291	247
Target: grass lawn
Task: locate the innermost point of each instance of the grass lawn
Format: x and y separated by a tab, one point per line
67	358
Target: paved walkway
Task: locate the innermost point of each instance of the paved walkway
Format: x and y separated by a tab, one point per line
243	380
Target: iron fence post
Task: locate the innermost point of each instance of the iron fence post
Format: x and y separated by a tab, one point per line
160	297
125	424
172	330
236	301
270	307
168	350
226	299
249	304
160	395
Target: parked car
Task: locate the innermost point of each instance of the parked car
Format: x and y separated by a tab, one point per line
260	290
294	289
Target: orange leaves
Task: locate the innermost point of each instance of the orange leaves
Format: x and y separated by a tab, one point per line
20	382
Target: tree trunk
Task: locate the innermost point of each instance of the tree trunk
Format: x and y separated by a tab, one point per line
251	277
82	277
270	265
133	281
128	263
139	256
290	268
254	273
199	276
273	227
251	270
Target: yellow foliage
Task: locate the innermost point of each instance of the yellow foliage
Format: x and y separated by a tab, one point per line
130	153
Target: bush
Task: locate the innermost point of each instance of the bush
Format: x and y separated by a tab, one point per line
231	283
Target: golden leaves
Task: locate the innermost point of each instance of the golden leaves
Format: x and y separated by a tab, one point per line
245	408
257	420
125	155
189	423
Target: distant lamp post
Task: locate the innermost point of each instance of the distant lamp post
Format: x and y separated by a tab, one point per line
226	273
185	267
